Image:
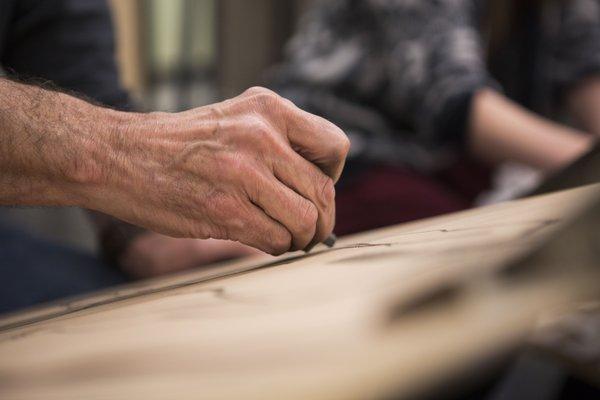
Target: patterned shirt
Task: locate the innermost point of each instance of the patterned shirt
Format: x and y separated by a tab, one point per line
398	75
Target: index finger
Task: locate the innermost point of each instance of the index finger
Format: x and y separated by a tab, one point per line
317	140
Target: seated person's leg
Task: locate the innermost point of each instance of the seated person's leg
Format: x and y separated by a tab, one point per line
33	271
388	195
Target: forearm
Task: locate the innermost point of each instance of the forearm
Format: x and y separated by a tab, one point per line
501	130
254	169
52	146
56	149
584	104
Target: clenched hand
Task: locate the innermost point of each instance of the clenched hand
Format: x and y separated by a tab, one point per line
254	169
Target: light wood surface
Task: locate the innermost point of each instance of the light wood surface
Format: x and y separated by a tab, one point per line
389	312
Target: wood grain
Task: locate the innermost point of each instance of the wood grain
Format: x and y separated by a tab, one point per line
388	312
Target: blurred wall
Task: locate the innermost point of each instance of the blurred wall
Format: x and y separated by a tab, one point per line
127	19
226	44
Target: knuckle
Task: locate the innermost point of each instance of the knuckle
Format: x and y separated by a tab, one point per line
255	90
327	191
264	97
341	144
263	129
262	93
259	131
250	93
308	216
289	103
344	145
281	242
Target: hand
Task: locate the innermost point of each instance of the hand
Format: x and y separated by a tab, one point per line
254	169
152	254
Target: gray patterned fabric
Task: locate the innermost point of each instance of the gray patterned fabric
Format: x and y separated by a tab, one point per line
398	75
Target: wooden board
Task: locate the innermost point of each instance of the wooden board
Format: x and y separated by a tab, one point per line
386	313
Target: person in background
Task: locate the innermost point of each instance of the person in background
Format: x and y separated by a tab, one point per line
433	94
224	171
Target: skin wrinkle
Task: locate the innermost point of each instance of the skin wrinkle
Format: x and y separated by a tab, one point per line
203	174
307	191
185	159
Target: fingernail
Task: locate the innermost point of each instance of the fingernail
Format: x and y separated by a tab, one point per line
330	240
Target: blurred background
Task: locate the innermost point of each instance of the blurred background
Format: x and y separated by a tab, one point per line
179	54
168	51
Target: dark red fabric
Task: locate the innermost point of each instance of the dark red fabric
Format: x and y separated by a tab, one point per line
385	195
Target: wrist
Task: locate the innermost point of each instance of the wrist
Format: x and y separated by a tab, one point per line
96	174
133	151
130	156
